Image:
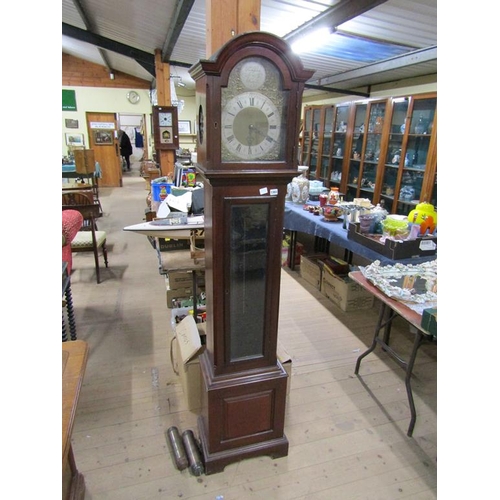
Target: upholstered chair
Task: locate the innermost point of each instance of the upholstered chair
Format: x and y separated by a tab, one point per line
72	221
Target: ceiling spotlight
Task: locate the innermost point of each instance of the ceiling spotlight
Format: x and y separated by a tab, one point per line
111	76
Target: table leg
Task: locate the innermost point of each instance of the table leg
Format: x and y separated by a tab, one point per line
386	315
64	333
389	315
71	312
419	338
348	256
321	245
195	301
380	321
291	250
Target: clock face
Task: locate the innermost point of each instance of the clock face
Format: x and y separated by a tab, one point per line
133	97
253	115
165	119
251	126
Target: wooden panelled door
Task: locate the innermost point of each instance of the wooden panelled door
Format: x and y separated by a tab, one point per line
102	131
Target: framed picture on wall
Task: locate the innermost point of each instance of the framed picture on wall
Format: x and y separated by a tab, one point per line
103	137
184	127
70	123
74	140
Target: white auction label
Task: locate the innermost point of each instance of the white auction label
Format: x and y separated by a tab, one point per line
427	245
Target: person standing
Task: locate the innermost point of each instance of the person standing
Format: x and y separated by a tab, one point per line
125	147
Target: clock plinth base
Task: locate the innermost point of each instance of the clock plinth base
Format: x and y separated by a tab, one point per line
216	462
243	415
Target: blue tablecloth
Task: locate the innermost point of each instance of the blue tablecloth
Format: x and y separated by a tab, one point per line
300	220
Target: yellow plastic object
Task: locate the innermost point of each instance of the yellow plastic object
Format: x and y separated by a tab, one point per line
425	215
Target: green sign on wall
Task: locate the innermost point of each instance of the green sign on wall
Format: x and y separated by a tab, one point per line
68	100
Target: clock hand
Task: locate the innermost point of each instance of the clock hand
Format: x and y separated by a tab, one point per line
250	138
259	131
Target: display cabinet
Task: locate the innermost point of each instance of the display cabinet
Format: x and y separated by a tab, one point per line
324	142
316	140
384	150
312	138
339	145
410	167
353	169
305	141
325	154
366	150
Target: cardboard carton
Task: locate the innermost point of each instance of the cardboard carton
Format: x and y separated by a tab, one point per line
429	320
345	292
286	360
186	346
311	270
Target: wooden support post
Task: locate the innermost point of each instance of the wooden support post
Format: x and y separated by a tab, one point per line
228	18
166	159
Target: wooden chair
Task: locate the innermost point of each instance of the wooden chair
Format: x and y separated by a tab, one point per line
89	238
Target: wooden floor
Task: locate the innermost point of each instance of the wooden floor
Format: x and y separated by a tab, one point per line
347	434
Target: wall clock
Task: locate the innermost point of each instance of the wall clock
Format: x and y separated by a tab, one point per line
133	97
165	127
248	99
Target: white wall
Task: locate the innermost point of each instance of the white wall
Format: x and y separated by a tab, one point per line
106	100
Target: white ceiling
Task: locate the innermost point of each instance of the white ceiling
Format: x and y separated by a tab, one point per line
388	41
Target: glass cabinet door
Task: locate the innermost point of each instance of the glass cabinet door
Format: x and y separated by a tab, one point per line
353	174
315	140
394	158
326	149
371	153
339	143
366	150
416	155
306	137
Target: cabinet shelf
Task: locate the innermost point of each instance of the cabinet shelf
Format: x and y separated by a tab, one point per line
416	168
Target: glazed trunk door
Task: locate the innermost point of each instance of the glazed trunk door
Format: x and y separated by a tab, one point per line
102	130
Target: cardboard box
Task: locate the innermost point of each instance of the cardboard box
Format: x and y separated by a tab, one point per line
169	244
286	360
345	292
176	297
185	348
337	266
429	320
311	270
395	250
184	279
285	253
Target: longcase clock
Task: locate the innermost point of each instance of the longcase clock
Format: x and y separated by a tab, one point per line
248	97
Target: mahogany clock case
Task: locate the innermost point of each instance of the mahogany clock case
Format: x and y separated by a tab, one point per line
244	384
165	127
